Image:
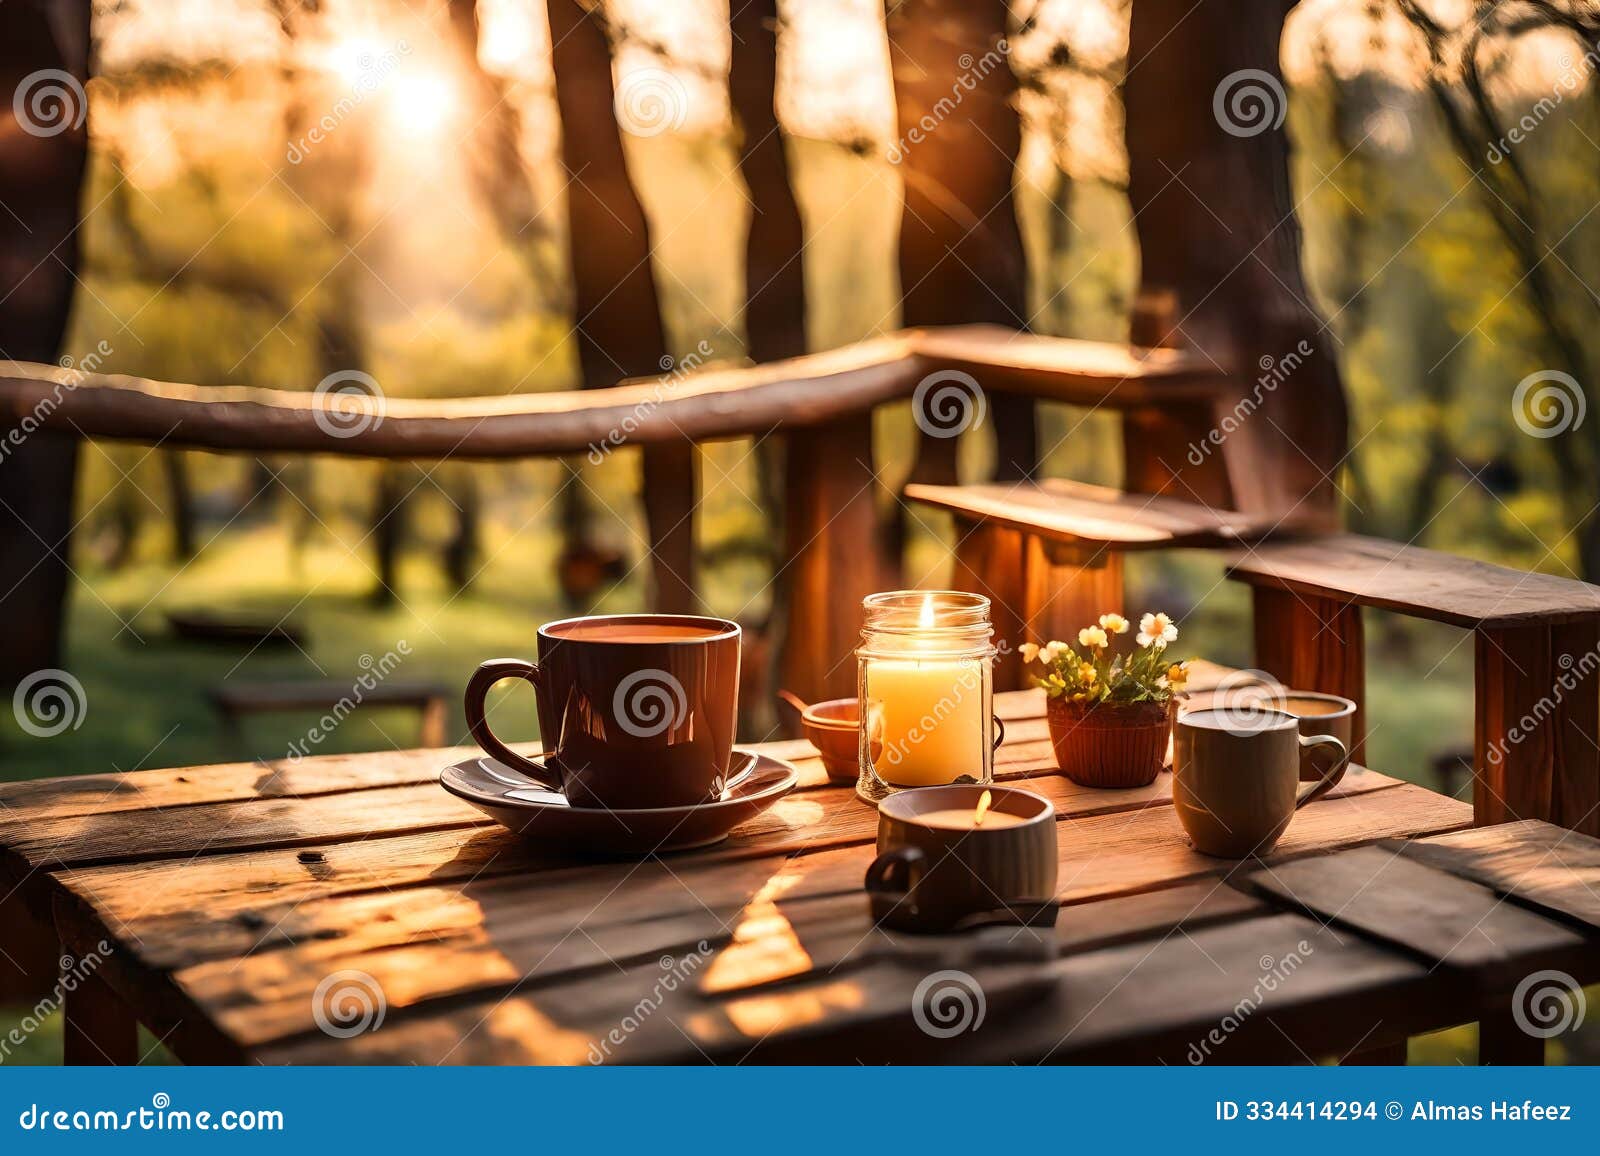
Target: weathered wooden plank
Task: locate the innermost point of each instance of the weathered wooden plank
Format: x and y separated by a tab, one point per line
1541	864
1090	373
1093	1005
1122	853
1422	583
1074	512
444	943
242	898
1442	918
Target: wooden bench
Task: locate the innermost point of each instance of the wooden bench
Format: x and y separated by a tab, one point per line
1049	554
237	700
1537	649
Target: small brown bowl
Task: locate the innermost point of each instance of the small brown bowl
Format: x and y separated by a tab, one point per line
834	728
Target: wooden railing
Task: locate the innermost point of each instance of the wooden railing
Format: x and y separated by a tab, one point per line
820	403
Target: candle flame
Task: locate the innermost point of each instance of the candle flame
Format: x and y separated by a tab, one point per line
926	621
982	808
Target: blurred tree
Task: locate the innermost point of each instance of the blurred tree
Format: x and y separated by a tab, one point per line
617	322
961	258
44	145
1219	243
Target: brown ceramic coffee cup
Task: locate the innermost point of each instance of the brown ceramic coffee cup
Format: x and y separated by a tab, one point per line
1236	777
635	710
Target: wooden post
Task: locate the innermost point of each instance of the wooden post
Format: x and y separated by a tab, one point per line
1502	1041
832	558
99	1030
1312	643
989	561
1537	718
1066	588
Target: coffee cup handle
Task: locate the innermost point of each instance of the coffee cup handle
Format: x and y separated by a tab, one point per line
896	872
1329	780
478	686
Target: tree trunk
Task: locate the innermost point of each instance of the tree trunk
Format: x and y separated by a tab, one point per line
618	315
42	163
961	257
1208	179
774	267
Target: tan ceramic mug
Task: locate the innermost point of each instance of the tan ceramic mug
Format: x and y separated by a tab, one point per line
1236	777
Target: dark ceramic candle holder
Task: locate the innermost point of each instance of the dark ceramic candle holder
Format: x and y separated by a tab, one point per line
933	874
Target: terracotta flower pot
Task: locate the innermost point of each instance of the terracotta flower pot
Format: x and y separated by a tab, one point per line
1110	744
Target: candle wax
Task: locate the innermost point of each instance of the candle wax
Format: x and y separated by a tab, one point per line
955	819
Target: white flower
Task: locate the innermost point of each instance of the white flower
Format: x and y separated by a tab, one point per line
1091	636
1156	628
1053	650
1029	651
1115	623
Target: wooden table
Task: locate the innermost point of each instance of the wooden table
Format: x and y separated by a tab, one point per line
238	901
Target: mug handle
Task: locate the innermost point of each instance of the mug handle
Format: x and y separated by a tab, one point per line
906	862
1330	780
489	673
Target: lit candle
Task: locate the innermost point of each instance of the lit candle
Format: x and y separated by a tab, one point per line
980	817
927	711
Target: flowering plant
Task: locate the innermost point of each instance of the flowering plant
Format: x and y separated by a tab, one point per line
1091	672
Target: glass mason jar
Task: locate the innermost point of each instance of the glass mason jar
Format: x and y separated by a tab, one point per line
925	683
